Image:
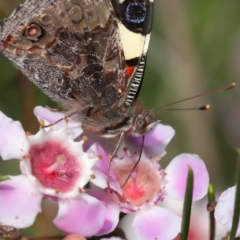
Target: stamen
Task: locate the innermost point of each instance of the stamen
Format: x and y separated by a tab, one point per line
41	122
92	176
85	138
28	133
25	157
60	160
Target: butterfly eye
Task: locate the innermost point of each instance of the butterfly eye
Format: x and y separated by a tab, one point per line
33	32
141	124
135	12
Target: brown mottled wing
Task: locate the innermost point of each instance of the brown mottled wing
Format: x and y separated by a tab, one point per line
71	49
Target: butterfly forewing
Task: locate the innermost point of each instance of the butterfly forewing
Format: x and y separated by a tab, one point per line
70	50
134	24
89	55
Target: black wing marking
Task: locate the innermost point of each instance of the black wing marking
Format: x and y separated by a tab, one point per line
135	23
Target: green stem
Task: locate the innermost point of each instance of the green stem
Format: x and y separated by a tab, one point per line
187	206
237	204
211	209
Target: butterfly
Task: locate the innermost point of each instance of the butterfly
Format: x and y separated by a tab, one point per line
88	55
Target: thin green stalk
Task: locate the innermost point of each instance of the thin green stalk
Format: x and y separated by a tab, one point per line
211	208
187	206
236	213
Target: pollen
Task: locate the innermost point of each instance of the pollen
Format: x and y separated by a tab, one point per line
28	134
92	176
85	138
25	157
41	122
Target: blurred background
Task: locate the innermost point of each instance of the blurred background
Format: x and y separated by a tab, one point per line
195	48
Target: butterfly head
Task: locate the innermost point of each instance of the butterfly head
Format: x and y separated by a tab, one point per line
143	123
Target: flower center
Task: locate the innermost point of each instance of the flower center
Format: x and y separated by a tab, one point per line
54	166
133	191
142	186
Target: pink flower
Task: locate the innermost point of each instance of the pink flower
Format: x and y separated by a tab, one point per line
147	186
225	207
95	210
53	166
141	196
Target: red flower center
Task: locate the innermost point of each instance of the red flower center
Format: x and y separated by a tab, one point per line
141	186
54	166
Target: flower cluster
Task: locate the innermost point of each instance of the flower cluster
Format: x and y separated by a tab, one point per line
64	164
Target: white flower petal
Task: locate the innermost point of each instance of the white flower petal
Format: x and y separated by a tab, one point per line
13	143
20	202
84	215
177	171
225	207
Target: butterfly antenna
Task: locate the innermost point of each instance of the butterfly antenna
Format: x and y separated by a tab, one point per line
139	157
202	108
228	87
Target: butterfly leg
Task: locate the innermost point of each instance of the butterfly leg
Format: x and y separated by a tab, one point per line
59	120
113	155
85	111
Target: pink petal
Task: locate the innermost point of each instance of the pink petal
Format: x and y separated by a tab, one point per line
48	115
74	127
177	172
20	202
155	141
83	215
112	210
13	143
224	209
156	223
